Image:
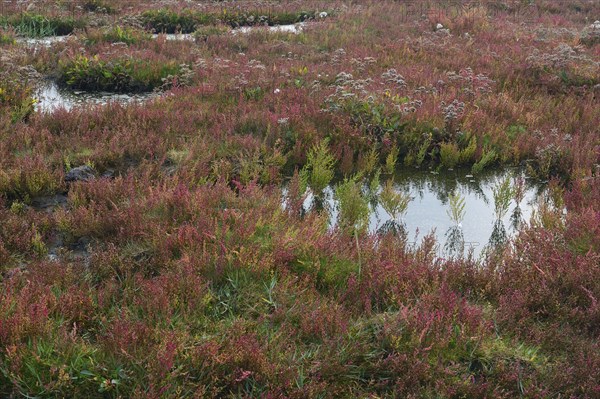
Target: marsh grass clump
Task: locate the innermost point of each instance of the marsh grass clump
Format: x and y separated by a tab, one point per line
36	25
169	21
204	33
412	142
33	178
16	98
7	37
116	34
117	75
99	6
452	155
391	160
272	18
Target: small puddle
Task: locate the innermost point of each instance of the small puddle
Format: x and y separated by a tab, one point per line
428	210
292	28
50	97
174	36
46	41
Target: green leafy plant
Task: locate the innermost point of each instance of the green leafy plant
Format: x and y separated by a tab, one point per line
449	155
423	150
117	34
488	158
319	167
35	25
7	37
391	160
169	21
353	208
16	97
254	93
394	202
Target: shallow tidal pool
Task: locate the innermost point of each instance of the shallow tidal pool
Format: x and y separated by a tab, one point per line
429	208
51	97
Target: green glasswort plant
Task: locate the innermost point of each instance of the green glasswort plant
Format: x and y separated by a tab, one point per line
352	205
394	202
391	159
423	151
16	98
318	170
487	159
449	155
353	209
370	161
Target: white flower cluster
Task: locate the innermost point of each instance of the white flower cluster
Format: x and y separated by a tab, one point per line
425	90
452	111
347	87
409	107
221	63
338	56
562	56
240	81
548	33
473	84
362	64
392	76
255	64
345	81
591	34
200	63
343	78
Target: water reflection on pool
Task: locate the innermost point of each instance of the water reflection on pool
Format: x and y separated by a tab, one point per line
427	212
